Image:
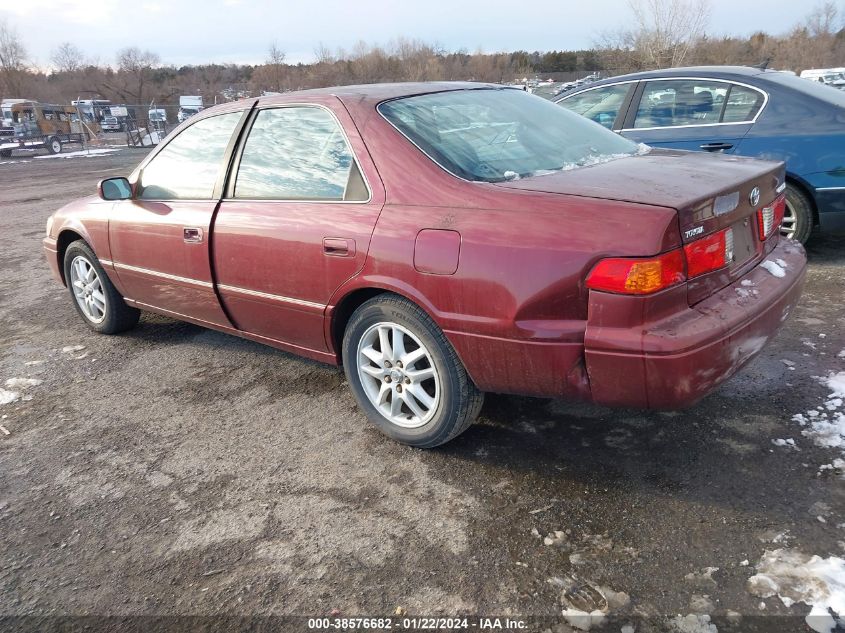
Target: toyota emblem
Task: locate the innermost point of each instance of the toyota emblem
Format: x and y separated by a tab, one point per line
754	196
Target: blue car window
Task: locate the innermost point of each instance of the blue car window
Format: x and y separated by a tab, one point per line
599	104
681	102
743	104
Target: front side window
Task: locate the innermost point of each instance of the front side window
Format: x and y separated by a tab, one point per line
189	166
599	104
297	153
493	135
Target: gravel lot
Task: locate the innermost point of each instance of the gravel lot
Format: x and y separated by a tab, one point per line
178	471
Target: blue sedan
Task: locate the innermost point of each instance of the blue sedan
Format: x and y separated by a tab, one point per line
737	110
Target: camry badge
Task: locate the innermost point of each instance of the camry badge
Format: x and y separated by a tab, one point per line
754	196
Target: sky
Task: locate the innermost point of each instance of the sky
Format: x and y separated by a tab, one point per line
241	31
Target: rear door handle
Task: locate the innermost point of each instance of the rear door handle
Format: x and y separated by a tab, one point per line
338	247
192	234
716	147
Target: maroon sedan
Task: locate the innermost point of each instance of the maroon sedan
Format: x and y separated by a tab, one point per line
439	241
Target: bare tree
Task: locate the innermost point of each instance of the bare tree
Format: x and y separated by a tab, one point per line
12	61
823	20
664	33
67	58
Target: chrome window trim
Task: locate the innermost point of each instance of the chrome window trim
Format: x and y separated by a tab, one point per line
723	81
830	188
298	104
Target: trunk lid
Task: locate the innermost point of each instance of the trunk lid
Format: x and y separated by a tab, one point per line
710	192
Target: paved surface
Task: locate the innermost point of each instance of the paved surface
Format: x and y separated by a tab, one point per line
174	470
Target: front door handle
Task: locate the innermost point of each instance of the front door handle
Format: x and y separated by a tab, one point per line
192	234
338	247
716	147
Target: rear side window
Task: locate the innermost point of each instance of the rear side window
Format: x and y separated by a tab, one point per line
696	102
681	102
599	104
298	153
189	166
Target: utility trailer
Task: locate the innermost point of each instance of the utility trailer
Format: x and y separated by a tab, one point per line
33	125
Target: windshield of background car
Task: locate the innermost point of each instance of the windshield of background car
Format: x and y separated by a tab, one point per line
493	135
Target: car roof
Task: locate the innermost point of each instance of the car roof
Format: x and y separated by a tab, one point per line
695	71
376	93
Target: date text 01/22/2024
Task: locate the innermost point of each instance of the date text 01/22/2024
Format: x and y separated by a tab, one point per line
415	624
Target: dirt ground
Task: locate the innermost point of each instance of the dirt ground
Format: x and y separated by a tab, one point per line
178	471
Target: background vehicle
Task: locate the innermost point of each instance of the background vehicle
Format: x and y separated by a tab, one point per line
421	235
110	124
36	125
92	110
834	77
157	115
188	107
736	110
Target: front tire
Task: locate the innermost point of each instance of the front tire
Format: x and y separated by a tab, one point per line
798	219
405	375
96	299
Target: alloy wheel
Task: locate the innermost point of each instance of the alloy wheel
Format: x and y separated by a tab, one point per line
398	375
787	226
88	289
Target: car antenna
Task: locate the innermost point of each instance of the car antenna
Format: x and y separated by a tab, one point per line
763	65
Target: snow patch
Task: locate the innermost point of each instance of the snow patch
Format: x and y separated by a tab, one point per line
787	442
825	424
795	577
693	623
91	152
774	268
8	397
69	349
23	383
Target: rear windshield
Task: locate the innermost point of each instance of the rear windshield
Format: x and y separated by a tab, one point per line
493	135
810	87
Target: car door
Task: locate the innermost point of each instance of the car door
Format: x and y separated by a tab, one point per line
160	238
296	221
606	105
692	114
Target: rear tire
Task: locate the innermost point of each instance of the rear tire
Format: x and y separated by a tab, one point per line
54	145
405	374
5	153
94	296
798	218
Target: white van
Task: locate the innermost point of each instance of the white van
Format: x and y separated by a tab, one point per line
829	76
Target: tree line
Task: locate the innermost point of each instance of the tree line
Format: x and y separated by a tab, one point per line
663	33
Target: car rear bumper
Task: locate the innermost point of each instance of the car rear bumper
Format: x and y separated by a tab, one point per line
51	252
672	360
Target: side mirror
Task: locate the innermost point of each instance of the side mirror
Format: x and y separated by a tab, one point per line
114	189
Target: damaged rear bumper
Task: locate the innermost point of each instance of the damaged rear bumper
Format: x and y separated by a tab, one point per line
670	360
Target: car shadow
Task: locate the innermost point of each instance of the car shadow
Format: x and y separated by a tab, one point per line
825	249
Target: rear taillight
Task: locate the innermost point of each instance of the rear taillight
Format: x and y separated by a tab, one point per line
769	218
638	276
709	253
